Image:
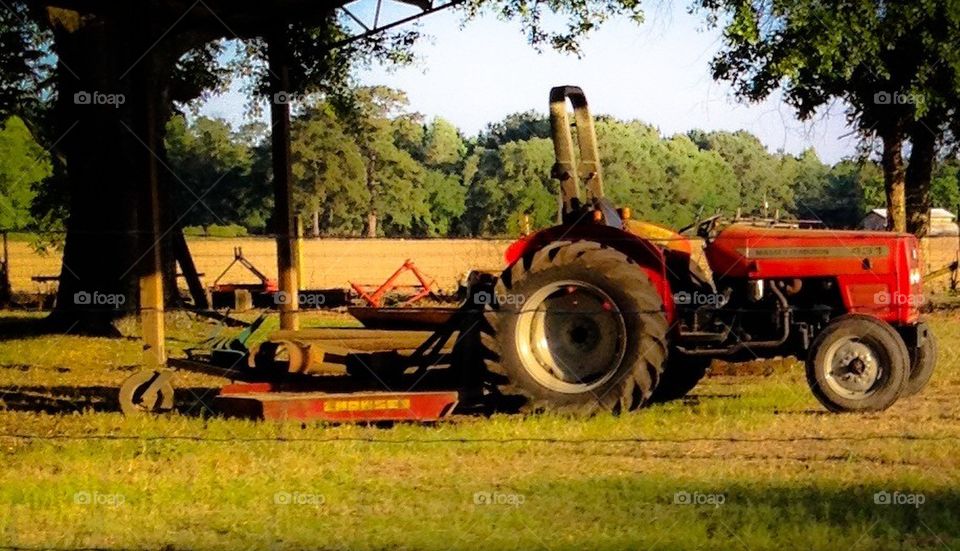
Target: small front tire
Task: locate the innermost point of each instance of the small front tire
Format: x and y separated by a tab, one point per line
858	363
922	361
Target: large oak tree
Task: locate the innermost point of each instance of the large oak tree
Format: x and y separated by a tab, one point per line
77	71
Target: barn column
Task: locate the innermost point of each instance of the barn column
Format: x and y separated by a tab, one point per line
278	62
148	217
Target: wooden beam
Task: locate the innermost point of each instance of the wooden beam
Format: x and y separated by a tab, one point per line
284	224
151	265
189	269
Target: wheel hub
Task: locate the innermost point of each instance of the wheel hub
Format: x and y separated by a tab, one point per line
853	368
570	336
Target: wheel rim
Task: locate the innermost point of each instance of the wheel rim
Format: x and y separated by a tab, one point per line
134	398
852	368
571	336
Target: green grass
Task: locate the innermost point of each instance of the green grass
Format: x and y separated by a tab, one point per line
770	468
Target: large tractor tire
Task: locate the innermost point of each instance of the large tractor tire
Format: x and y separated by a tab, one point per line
575	328
681	374
922	362
858	363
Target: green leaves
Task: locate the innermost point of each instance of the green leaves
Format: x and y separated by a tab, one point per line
23	165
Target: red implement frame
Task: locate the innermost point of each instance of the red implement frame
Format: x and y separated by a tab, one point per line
264	401
266	284
374	297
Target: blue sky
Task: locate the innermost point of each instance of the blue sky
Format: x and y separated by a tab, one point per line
657	72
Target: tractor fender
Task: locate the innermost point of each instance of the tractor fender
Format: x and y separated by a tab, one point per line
648	256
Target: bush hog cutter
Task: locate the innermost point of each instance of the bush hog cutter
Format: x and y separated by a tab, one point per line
606	313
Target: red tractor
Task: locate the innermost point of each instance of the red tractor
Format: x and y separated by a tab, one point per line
606	313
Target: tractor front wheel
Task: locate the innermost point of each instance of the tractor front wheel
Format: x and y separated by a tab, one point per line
576	327
858	363
922	361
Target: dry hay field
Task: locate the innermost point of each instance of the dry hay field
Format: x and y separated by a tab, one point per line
327	263
334	263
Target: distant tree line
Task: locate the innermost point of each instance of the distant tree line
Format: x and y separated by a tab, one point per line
367	166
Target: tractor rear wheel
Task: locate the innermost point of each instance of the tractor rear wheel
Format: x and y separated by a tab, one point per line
858	363
575	327
922	361
681	374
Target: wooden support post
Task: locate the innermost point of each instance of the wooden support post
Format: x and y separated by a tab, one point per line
5	274
151	266
298	252
278	61
190	274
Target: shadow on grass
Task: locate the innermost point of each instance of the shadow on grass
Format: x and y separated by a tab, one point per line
13	327
67	400
707	513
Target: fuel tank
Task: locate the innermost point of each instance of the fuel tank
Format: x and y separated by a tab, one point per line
660	235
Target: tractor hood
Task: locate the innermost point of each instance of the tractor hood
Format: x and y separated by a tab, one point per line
744	250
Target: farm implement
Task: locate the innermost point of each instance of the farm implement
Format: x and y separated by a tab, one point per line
606	313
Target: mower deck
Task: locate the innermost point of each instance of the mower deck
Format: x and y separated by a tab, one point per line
269	402
323	374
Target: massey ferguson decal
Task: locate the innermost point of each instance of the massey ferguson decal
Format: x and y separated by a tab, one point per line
863	251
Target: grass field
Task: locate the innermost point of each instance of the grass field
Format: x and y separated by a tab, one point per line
749	461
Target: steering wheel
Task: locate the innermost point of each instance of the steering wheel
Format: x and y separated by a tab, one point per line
702	227
705	226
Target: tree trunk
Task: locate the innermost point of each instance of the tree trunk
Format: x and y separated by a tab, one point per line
372	188
95	118
372	223
894	178
316	222
919	172
97	280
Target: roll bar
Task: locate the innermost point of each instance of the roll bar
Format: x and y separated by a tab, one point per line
567	169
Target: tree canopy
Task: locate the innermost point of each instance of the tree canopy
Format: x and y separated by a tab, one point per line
424	178
895	65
